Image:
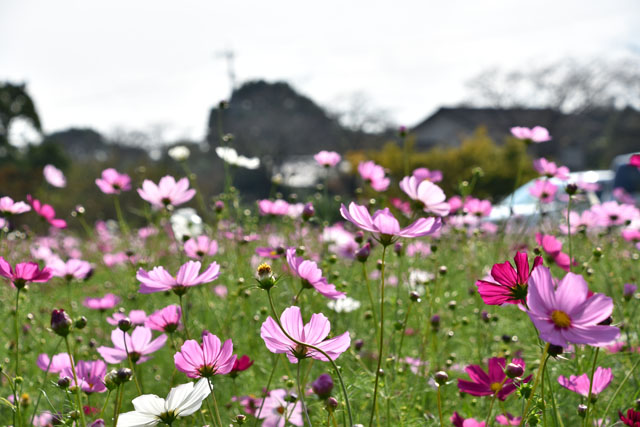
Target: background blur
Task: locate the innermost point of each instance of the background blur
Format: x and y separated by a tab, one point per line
85	86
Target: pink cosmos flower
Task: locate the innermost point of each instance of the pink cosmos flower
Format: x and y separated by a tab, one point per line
537	134
601	379
428	194
402	206
550	169
137	318
9	207
111	260
496	381
113	182
278	208
313	333
105	303
477	207
327	158
311	275
612	214
418	248
508	419
206	359
374	175
622	196
543	190
507	284
200	246
90	375
47	212
455	204
167	192
159	280
422	174
54	176
457	421
72	269
139	345
241	364
277	410
579	222
384	225
165	320
631	235
566	314
553	248
54	365
24	273
635	160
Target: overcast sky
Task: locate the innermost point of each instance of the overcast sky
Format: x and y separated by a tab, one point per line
139	63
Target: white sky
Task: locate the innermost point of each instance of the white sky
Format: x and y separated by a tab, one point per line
139	63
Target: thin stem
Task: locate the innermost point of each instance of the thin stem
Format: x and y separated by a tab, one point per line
404	330
535	384
544	409
439	406
301	395
184	317
215	403
589	403
16	400
75	380
116	404
380	343
35	408
273	370
633	368
123	224
319	350
569	233
493	401
133	369
104	406
373	305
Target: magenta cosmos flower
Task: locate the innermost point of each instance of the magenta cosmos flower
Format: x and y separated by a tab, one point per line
206	359
537	134
385	226
550	169
159	280
496	381
23	273
165	320
311	276
431	197
567	314
374	175
508	419
635	160
54	176
47	212
137	318
113	182
278	410
543	190
507	284
9	207
313	333
105	303
327	158
200	247
139	345
72	269
553	248
167	192
241	364
601	379
90	375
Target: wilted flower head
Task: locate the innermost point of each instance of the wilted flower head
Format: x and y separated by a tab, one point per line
54	176
113	182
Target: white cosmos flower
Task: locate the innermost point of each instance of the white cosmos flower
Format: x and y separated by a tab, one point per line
150	409
231	156
186	222
179	153
344	305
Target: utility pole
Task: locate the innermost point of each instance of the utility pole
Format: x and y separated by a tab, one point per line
229	56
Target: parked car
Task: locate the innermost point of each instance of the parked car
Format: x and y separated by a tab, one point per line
599	185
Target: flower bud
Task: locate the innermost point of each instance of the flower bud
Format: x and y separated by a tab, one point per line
597	252
111	379
582	410
80	322
555	350
240	419
629	290
60	322
402	131
322	386
571	189
332	403
291	398
414	296
398	248
435	321
442	270
359	237
124	324
308	212
363	253
514	370
64	383
265	276
441	377
124	375
358	344
218	206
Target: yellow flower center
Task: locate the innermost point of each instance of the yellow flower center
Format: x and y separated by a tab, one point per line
264	269
560	319
496	387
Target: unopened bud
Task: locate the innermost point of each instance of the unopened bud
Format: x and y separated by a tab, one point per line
308	212
80	322
363	253
332	403
265	276
64	383
414	296
582	410
240	419
441	377
514	370
571	189
60	322
124	324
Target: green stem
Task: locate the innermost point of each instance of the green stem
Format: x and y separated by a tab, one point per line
593	371
612	398
35	408
133	369
439	406
184	318
123	224
373	305
16	323
544	409
380	343
273	370
75	380
301	395
104	406
535	384
488	421
215	403
404	330
569	233
116	405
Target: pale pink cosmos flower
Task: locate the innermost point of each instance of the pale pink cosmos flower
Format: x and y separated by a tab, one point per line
579	222
90	375
550	169
167	192
113	182
54	176
105	303
455	204
580	384
165	320
566	314
55	364
537	134
206	359
72	269
374	175
553	247
139	345
159	280
278	208
422	174
23	273
543	190
137	318
277	410
9	207
111	260
327	158
313	333
200	246
385	226
612	214
311	275
428	194
477	207
622	196
47	212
